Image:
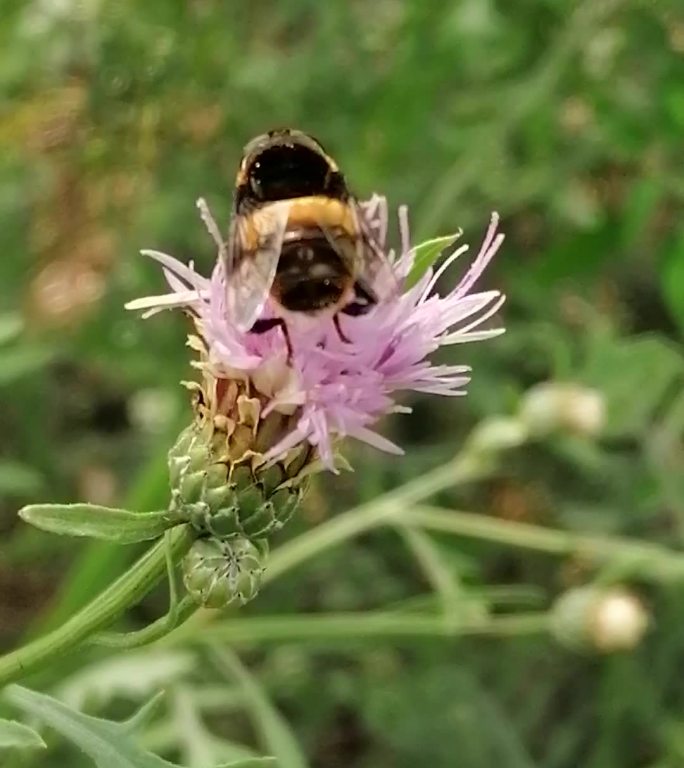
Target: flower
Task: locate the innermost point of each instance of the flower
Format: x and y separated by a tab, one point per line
330	388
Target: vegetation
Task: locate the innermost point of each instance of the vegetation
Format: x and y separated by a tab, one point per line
422	610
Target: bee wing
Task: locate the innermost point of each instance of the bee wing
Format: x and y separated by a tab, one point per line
254	249
374	272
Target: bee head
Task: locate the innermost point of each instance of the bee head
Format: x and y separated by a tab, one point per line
285	164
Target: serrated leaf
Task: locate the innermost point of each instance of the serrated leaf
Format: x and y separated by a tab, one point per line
20	736
108	744
106	523
425	255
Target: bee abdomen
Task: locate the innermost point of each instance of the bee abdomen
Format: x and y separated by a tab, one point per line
311	276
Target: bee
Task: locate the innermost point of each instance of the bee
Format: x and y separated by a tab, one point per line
299	237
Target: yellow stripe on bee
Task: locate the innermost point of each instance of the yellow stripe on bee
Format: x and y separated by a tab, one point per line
313	212
321	211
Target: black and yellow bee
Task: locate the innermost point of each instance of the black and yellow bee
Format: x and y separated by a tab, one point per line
299	237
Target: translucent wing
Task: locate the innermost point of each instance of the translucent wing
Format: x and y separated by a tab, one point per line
254	249
374	270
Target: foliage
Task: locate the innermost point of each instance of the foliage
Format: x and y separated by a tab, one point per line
389	632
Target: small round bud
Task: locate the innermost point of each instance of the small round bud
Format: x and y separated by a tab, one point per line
216	573
599	619
563	406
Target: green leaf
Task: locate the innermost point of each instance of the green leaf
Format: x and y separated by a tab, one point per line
117	525
108	744
129	675
197	745
13	734
143	716
274	730
672	280
425	256
11	325
18	479
637	377
17	362
251	762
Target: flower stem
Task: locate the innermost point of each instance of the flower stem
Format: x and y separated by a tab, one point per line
338	628
155	631
127	590
466	468
628	557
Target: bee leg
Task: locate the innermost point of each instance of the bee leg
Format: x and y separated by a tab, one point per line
268	324
363	302
340	332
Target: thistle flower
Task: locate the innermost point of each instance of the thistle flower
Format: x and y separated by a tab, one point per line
293	411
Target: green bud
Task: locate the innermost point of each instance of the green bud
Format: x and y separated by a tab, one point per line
221	500
217	573
556	406
599	619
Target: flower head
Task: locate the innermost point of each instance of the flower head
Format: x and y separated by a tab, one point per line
330	388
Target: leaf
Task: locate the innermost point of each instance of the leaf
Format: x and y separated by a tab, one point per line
274	730
117	525
198	746
143	715
109	744
132	675
18	479
637	378
17	362
672	280
425	255
642	201
252	762
11	325
13	734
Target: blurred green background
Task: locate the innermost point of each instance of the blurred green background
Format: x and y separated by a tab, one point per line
568	119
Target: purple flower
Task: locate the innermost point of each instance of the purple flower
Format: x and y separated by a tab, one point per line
332	388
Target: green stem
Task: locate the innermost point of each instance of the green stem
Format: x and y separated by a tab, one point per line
466	468
343	627
651	561
155	631
127	590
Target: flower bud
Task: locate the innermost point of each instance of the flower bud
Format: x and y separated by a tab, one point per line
497	434
223	499
563	406
599	619
216	573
